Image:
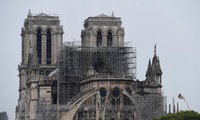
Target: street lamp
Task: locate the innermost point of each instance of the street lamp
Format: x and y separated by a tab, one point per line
183	98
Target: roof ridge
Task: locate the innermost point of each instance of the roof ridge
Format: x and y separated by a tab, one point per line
102	15
42	14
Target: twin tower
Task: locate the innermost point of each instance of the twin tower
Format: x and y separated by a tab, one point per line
42	36
94	81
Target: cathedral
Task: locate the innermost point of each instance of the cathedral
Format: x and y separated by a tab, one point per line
92	79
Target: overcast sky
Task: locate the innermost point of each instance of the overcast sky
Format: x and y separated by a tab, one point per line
174	25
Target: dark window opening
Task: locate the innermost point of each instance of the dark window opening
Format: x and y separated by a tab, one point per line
54	92
55	98
115	92
109	39
99	39
118	101
102	92
113	101
39	45
48	57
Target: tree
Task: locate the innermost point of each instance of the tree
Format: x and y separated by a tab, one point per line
183	115
3	116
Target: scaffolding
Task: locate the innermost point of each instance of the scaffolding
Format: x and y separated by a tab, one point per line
75	61
69	73
150	106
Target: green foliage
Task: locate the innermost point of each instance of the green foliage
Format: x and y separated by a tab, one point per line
183	115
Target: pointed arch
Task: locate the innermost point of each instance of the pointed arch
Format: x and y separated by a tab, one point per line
48	46
99	38
38	27
70	114
49	27
39	44
109	39
79	101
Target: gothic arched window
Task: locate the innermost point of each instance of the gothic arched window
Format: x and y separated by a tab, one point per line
39	45
109	39
99	39
48	55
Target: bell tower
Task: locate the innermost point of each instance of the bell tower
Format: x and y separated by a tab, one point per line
103	31
41	41
41	35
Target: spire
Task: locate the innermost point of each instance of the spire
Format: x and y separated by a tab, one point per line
156	63
158	66
149	65
154	68
29	13
148	73
155	50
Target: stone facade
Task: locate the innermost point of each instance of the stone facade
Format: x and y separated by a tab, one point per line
35	67
103	24
94	81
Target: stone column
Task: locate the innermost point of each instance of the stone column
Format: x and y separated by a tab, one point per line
91	42
57	46
26	48
43	49
104	41
114	42
23	50
97	106
120	35
33	99
53	49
